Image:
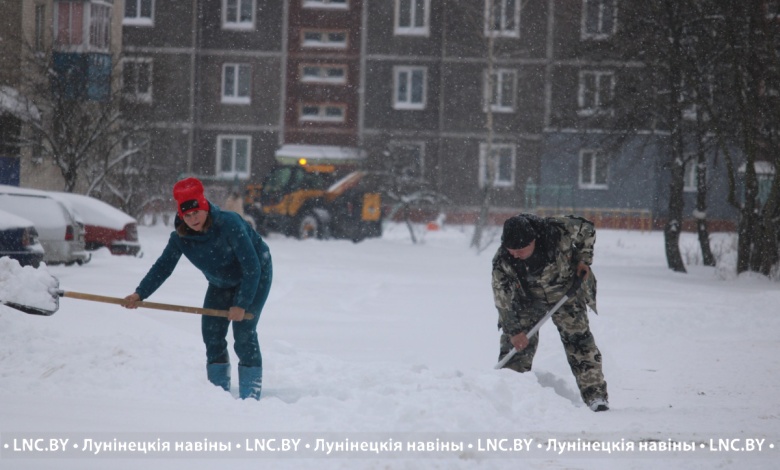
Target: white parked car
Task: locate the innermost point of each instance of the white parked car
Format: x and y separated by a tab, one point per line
59	230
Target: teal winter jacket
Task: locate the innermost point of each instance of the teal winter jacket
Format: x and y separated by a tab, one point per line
230	254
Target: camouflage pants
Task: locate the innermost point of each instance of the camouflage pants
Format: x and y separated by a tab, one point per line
581	350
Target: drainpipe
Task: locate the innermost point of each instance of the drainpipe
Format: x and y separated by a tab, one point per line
283	74
362	84
193	84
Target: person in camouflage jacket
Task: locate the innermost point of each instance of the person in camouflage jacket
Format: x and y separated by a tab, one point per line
533	268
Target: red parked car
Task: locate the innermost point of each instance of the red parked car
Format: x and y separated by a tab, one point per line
106	226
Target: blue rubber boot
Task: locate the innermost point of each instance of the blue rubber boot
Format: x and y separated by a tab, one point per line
219	375
250	382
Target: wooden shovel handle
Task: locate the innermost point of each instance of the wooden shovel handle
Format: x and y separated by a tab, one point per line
153	305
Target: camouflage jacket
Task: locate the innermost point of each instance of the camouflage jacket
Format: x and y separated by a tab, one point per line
519	294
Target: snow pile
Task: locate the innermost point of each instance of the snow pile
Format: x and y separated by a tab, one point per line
26	285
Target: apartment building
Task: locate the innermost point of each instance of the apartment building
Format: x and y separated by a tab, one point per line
462	93
75	41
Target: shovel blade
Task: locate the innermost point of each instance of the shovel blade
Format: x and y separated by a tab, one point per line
29	309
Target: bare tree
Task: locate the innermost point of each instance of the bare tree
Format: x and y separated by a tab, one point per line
745	117
657	41
409	195
482	22
488	188
82	123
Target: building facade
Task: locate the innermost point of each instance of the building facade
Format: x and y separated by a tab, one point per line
461	93
76	42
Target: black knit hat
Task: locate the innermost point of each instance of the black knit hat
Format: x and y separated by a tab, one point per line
518	233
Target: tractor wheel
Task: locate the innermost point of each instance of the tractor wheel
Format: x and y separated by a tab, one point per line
308	226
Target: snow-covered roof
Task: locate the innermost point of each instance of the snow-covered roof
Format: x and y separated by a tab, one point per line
8	220
15	103
94	211
46	213
290	154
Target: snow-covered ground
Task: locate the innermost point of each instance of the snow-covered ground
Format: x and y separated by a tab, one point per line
392	344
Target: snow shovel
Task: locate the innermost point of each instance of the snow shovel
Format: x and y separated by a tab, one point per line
28	308
56	293
569	293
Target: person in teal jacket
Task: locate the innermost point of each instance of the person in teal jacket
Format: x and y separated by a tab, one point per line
237	264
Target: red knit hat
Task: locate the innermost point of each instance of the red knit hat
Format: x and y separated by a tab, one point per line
189	196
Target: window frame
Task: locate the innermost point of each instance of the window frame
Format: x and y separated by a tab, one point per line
322	115
498	85
237	24
100	26
411	30
322	78
219	157
88	30
235	98
327	44
325	4
146	97
592	172
409	105
484	160
502	32
600	35
690	174
598	106
39	29
139	19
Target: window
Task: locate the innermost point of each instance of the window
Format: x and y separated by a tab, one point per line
595	92
409	87
342	4
70	24
136	148
323	112
502	96
139	13
498	167
233	156
412	17
238	14
236	83
327	74
100	26
700	92
689	178
407	159
80	25
137	79
38	149
324	39
40	27
599	18
593	170
503	19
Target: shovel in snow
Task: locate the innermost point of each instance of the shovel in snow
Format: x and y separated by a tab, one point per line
569	293
28	308
56	294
